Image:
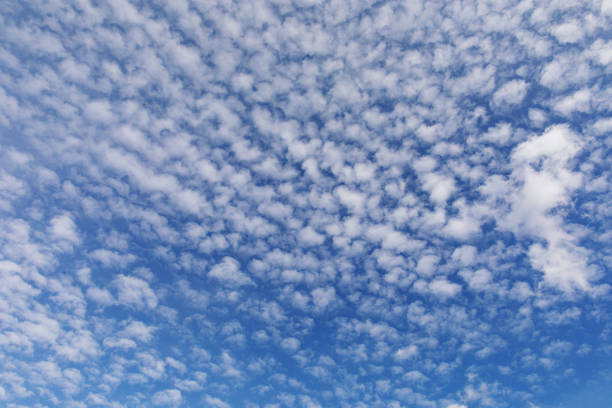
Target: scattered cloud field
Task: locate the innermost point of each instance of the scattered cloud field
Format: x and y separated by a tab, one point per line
305	203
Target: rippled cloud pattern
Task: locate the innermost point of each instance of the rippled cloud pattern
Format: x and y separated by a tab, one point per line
305	203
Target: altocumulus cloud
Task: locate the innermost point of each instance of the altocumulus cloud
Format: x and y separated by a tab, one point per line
304	203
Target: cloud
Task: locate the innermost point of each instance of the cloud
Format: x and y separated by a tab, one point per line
215	402
230	203
427	265
444	288
406	353
510	93
228	272
63	228
170	397
133	291
99	111
290	344
478	280
353	200
568	32
540	191
440	187
111	258
323	297
310	237
139	331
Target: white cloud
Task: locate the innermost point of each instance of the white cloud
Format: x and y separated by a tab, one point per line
568	32
310	237
564	72
99	111
170	397
214	402
290	344
133	291
138	330
406	353
155	149
579	101
112	258
563	263
426	265
465	255
353	200
323	297
440	187
444	288
63	228
478	280
510	93
462	228
500	133
100	295
228	272
78	346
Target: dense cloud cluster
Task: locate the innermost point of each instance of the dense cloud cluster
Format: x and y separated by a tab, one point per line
304	203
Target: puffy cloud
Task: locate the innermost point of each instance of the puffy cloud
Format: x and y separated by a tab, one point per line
215	402
440	187
133	291
290	344
111	258
63	228
406	353
78	346
228	272
427	265
367	161
100	295
564	264
510	93
323	297
478	280
568	32
310	237
139	331
464	255
99	111
171	397
353	200
579	101
444	288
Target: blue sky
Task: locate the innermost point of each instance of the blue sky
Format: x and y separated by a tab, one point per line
304	203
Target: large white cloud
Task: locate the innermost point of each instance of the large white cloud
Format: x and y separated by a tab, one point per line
229	272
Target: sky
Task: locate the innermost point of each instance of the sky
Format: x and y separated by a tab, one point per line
305	203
